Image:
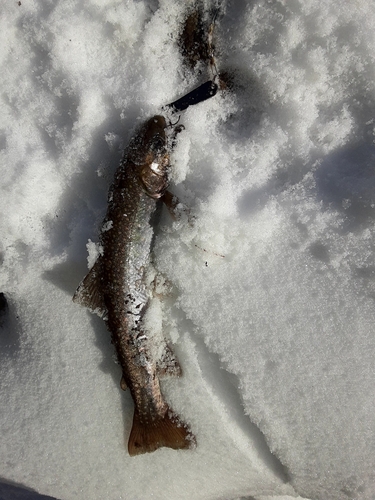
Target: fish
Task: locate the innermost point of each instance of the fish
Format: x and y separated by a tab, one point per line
118	288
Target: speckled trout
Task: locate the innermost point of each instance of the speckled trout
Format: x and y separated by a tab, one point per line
118	288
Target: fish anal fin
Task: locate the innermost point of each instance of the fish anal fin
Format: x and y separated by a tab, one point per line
89	293
168	364
168	431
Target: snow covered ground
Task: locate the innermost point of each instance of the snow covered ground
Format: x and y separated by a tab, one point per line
276	338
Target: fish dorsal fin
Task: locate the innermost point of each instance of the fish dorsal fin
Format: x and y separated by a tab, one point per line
168	364
89	293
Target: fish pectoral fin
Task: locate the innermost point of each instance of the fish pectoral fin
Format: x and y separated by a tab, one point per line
176	208
169	431
89	293
168	364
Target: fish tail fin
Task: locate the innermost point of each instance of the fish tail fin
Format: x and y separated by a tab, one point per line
167	431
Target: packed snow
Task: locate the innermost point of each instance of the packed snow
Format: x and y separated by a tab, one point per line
271	296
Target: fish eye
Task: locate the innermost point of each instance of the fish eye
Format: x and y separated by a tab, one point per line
157	143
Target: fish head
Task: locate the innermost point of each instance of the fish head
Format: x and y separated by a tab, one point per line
155	136
153	171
